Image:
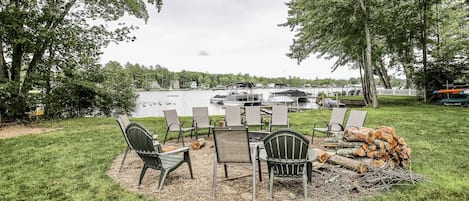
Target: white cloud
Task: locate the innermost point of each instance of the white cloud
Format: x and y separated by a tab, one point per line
239	36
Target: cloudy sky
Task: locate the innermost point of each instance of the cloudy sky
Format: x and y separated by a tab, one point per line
220	36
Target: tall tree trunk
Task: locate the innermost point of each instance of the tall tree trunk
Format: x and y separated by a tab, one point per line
423	39
369	68
409	63
383	74
16	62
3	65
364	79
28	79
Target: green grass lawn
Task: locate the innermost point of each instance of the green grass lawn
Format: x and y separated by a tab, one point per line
71	163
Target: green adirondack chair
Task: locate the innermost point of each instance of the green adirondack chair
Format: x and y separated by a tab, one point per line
287	152
150	152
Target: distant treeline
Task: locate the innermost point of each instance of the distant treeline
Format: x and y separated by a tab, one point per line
150	77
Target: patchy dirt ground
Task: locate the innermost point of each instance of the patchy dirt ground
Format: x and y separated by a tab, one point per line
20	130
179	186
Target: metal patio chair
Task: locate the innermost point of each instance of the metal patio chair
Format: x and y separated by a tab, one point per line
279	117
232	147
335	123
253	117
174	125
233	116
201	120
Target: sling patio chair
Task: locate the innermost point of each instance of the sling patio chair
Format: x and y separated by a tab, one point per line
142	143
233	116
355	119
253	117
201	120
232	147
334	124
279	117
174	125
287	153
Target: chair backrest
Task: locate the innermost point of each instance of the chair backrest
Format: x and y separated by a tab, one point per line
286	152
337	117
356	119
172	120
279	115
233	115
143	144
232	145
200	115
253	115
123	122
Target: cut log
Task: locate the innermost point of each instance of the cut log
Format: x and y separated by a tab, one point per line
387	137
373	163
401	141
365	147
370	154
168	148
330	145
343	144
321	155
387	129
378	134
355	135
379	144
349	163
331	140
198	144
351	152
371	147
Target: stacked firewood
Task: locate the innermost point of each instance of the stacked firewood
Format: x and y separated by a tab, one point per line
368	147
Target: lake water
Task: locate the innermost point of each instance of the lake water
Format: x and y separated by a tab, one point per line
152	103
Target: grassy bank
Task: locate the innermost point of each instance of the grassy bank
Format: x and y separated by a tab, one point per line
71	163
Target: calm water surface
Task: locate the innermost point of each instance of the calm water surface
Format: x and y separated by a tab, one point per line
152	103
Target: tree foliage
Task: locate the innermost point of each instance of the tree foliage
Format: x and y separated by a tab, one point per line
426	40
53	45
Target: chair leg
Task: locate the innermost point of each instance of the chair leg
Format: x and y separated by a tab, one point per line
187	158
259	167
127	150
163	175
312	137
305	187
271	183
214	176
166	135
181	134
142	173
226	171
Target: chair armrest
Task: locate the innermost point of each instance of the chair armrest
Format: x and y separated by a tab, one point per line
329	127
318	122
212	122
176	151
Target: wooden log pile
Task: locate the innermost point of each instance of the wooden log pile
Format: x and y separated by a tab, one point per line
375	148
